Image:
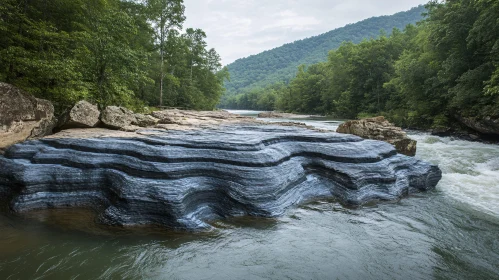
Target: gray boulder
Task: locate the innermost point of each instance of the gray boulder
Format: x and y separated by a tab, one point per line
23	116
487	125
82	115
145	120
117	117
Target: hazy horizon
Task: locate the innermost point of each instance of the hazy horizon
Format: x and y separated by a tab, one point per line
240	28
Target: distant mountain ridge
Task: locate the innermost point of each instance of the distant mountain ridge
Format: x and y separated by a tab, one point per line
280	64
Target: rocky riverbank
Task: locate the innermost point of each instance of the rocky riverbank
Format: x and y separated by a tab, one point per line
181	169
380	129
182	179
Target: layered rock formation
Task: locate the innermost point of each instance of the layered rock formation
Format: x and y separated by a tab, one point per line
22	116
380	129
184	179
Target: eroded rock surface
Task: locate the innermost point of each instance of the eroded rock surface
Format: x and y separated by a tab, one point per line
183	179
188	118
23	116
117	117
145	120
380	129
82	115
486	125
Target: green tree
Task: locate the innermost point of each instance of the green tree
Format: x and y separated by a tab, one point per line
167	16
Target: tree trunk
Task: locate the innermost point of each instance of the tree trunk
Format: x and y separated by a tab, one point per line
161	71
161	82
162	53
191	70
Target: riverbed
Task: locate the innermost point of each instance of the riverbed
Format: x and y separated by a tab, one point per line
449	233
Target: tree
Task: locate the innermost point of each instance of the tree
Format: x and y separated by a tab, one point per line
167	15
112	52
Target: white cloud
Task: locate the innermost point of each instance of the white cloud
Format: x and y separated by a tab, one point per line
239	28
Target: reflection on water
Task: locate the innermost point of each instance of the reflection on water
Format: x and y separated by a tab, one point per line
449	233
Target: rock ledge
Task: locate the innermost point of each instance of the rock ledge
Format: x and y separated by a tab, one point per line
183	179
380	129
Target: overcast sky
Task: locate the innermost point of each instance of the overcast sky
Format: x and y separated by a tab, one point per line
239	28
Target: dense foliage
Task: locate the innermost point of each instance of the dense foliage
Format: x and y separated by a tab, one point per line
279	64
119	52
429	75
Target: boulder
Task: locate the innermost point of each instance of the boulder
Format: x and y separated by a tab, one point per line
117	117
380	129
145	120
23	116
487	125
130	128
82	115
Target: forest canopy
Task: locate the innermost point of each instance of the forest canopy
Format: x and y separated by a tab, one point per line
279	64
111	52
429	75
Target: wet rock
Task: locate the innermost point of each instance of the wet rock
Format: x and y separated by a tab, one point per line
145	120
487	125
380	129
474	137
183	179
117	117
22	116
441	131
82	115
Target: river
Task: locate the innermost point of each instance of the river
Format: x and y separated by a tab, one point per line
449	233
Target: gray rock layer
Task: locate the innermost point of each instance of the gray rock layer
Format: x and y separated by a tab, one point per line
181	180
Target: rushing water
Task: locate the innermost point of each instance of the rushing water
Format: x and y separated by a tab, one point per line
449	233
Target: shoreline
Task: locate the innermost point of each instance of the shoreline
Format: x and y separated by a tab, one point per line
464	134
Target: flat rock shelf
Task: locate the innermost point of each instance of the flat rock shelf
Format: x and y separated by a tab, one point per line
183	179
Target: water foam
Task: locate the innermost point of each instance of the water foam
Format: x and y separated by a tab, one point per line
470	170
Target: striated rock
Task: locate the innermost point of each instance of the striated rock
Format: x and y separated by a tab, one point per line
145	120
22	116
380	129
117	117
183	179
82	115
486	125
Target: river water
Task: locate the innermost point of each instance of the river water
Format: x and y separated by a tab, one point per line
449	233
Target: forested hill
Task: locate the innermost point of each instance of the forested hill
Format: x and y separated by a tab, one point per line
280	64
